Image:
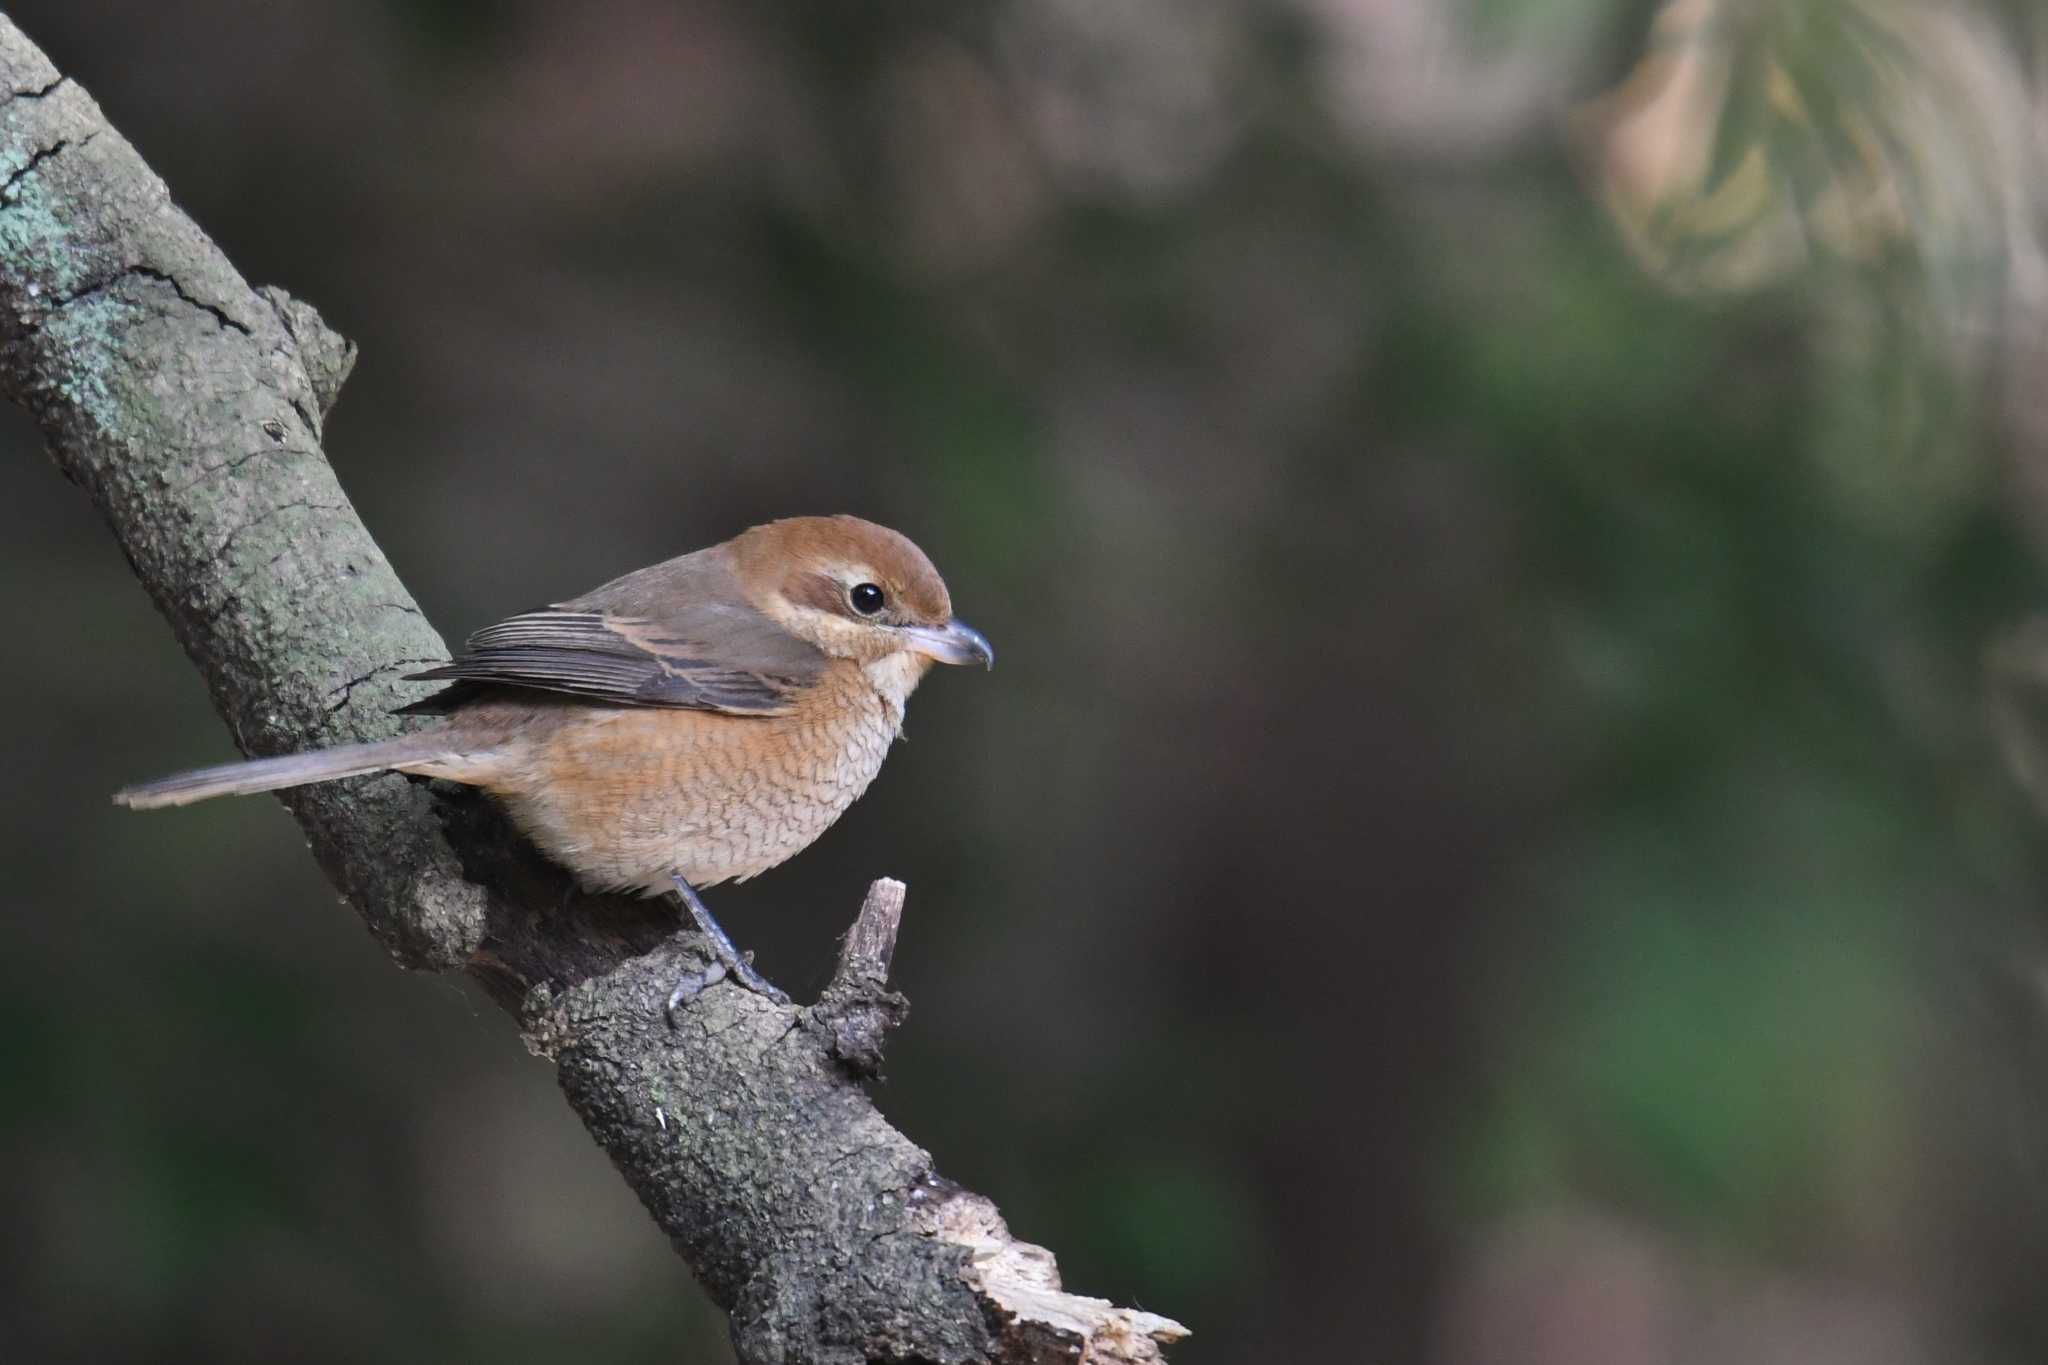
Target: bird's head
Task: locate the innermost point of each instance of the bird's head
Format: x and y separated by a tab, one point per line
855	590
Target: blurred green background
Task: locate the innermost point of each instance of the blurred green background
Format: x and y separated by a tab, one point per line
1511	531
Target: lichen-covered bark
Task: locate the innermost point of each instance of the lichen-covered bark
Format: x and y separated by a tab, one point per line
182	402
188	406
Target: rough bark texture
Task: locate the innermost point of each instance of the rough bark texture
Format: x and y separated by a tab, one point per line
188	406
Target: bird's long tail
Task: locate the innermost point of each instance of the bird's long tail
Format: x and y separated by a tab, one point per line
292	770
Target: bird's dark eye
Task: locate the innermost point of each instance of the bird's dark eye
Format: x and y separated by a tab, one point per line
867	598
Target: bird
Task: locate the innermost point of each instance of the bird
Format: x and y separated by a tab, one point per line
698	721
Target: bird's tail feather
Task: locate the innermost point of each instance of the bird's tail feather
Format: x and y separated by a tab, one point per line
292	770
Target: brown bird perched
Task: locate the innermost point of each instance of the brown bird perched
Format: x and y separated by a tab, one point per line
694	722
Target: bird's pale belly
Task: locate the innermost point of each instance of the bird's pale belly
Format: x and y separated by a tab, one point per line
629	796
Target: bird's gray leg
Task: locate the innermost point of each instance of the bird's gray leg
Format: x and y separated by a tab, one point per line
730	959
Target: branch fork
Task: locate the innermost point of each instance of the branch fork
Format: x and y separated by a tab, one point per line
857	1010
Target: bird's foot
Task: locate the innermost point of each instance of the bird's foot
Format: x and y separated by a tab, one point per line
692	985
727	960
742	969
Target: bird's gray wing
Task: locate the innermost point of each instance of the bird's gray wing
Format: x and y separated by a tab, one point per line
678	634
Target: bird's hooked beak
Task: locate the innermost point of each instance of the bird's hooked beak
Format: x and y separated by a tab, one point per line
956	642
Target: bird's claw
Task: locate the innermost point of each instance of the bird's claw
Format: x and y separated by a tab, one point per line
744	973
741	970
727	960
692	985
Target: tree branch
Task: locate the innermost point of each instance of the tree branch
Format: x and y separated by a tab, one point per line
188	406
